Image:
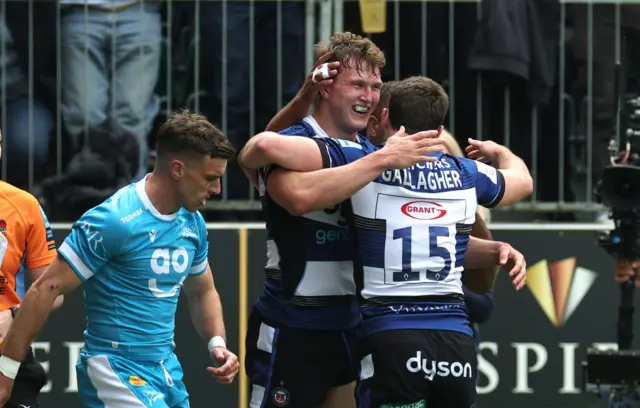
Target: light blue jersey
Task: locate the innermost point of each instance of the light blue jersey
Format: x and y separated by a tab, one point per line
133	262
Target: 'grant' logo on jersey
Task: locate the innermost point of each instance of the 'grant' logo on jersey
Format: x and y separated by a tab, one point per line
423	210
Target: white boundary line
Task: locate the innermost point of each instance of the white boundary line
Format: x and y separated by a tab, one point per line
498	226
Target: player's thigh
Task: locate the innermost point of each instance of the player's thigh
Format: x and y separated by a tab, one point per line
385	380
342	392
454	383
342	396
292	367
112	382
175	390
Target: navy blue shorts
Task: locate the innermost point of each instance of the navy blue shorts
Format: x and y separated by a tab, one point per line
418	369
294	367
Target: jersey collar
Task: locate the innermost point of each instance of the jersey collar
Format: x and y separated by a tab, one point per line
142	195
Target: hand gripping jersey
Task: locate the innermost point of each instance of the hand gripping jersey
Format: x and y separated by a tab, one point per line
412	229
309	271
133	262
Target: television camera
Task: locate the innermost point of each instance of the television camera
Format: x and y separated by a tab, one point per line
615	374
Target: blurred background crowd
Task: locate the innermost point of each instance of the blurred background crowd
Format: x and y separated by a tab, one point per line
85	83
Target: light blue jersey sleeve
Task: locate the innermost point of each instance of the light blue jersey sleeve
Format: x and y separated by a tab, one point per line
98	236
201	260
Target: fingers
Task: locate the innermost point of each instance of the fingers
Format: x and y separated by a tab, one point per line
323	58
518	273
319	79
227	372
323	74
429	147
226	378
503	254
427	134
401	132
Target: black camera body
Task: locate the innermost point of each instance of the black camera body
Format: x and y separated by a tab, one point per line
615	374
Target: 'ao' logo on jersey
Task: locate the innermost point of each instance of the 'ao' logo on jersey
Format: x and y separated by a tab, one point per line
423	210
163	261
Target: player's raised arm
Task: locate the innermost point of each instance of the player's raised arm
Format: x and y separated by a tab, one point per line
320	77
518	183
348	168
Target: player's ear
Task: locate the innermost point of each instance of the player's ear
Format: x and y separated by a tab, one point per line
372	126
325	92
384	118
177	169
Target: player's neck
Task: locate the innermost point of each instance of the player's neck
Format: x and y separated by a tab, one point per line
159	191
327	124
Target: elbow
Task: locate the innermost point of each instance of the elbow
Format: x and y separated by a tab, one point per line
298	207
258	151
298	203
57	304
483	315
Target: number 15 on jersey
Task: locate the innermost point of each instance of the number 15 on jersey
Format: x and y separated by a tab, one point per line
417	254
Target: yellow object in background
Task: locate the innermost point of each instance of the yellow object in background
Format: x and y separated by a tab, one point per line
373	14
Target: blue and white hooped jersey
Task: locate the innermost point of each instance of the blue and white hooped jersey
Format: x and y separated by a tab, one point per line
133	262
309	271
412	230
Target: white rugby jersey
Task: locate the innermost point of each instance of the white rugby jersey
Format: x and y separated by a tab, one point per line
412	228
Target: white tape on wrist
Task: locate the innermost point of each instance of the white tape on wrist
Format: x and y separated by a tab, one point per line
216	341
9	367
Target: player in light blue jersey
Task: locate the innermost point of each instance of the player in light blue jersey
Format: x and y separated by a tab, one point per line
134	254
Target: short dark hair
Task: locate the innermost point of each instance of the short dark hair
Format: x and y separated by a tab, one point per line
385	94
186	132
417	103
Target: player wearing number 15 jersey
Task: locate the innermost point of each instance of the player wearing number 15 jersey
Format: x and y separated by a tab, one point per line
134	253
412	229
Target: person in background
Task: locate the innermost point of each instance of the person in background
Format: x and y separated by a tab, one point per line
26	243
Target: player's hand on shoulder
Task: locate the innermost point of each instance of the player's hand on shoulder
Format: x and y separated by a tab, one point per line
403	150
320	77
484	151
6	386
513	261
226	365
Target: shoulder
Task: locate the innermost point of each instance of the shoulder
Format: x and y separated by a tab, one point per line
460	163
299	129
22	203
20	198
199	222
115	213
